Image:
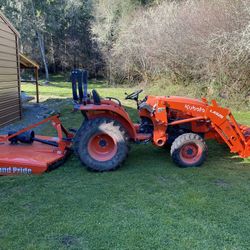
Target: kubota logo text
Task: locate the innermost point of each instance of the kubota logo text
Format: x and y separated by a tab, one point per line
194	108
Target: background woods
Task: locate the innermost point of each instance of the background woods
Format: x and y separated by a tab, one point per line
55	33
202	44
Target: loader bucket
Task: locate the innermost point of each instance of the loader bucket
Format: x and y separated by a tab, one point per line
246	133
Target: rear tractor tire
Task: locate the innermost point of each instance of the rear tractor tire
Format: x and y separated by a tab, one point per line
101	144
189	150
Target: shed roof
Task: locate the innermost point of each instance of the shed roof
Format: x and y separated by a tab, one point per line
7	21
27	62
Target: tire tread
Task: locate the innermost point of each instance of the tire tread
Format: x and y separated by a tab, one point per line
116	161
183	139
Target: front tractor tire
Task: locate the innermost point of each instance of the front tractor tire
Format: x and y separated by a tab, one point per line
189	150
101	144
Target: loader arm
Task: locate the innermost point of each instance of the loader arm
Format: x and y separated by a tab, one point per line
236	136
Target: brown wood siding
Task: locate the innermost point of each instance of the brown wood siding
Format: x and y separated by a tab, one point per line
8	78
7	50
7	57
6	28
7	35
7	42
7	64
9	84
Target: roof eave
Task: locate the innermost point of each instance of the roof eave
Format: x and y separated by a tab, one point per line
28	62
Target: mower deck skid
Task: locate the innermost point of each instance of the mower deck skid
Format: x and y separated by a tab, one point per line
34	158
34	154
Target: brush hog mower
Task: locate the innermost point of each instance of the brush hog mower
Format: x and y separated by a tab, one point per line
23	152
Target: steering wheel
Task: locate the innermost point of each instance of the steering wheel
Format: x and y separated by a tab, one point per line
134	95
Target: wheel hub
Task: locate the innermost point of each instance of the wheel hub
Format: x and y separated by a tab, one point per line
102	143
102	147
190	153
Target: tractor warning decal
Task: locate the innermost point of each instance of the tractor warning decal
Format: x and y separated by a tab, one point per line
15	170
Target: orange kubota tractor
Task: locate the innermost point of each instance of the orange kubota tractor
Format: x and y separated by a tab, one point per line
102	142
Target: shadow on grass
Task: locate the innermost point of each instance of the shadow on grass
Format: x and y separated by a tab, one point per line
220	153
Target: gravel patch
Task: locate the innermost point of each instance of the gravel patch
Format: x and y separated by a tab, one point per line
33	113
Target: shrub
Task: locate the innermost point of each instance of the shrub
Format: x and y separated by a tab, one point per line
200	42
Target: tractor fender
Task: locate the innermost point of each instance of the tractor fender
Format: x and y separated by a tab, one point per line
115	112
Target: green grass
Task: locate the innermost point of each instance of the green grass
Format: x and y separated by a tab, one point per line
148	203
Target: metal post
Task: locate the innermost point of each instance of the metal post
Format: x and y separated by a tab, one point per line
37	87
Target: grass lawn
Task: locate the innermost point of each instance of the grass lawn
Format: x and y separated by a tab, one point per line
148	203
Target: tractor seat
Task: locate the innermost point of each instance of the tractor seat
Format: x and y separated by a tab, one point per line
96	97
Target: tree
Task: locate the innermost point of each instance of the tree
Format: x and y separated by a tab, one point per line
55	33
40	39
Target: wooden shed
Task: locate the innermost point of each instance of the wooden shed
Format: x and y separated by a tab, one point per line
10	102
